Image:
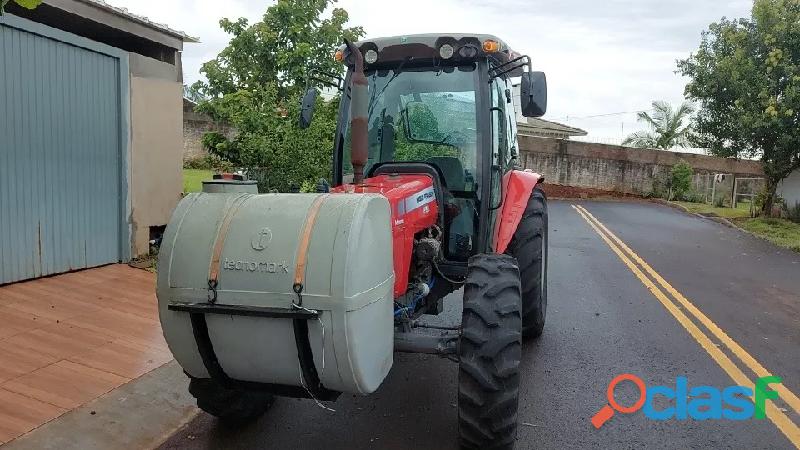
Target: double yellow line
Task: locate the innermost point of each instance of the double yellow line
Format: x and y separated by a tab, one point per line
639	267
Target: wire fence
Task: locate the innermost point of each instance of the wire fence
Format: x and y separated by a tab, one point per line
725	190
746	190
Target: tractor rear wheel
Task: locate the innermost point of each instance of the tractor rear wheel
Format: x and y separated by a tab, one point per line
529	246
229	405
489	351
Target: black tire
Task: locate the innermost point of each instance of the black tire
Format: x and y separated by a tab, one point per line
490	349
529	246
229	405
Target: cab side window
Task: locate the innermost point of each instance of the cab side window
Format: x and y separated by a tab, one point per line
513	155
500	135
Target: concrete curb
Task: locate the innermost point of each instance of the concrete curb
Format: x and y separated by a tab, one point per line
139	415
717	219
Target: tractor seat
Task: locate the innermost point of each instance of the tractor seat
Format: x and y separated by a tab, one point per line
452	169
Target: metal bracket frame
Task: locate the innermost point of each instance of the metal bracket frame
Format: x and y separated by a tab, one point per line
514	64
332	79
444	343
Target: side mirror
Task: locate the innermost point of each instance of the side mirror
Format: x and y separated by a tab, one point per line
533	94
307	107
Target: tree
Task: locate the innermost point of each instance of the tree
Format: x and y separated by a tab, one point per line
255	85
666	127
191	93
746	78
29	4
291	38
271	140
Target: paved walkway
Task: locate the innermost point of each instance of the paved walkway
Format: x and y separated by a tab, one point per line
68	339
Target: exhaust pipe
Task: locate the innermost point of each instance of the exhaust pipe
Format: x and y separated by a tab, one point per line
358	115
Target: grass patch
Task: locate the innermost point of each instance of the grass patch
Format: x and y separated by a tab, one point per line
193	179
778	231
742	210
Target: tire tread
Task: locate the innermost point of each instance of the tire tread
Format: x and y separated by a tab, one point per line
490	350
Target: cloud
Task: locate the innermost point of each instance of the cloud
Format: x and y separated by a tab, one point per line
600	56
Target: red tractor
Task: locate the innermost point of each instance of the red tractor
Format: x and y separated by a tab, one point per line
427	126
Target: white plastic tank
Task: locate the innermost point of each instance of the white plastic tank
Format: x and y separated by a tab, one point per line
252	244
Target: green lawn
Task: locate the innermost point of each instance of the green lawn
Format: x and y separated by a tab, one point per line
742	209
193	179
778	231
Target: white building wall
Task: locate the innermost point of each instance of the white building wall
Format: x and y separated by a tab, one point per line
789	188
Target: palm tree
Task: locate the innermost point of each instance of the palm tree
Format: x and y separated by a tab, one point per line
667	128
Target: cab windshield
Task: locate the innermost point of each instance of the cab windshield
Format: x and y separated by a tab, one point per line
422	115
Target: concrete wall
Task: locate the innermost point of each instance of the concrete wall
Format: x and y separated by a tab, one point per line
616	168
144	67
789	189
195	125
156	180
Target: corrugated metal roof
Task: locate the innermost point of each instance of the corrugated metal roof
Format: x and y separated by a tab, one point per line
140	19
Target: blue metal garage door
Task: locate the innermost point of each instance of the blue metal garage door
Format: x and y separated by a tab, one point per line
60	157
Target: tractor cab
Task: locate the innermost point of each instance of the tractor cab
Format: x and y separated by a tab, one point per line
444	101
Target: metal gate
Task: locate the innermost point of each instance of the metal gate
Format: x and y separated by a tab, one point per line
60	154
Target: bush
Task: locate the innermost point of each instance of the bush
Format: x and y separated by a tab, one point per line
681	180
208	162
308	187
761	197
694	197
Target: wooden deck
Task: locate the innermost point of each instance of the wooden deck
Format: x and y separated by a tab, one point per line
69	339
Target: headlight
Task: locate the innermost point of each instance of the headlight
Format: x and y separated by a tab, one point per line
468	51
371	56
446	51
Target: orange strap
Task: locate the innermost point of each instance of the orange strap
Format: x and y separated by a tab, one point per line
222	233
305	240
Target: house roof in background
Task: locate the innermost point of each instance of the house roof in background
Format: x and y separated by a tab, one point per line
540	127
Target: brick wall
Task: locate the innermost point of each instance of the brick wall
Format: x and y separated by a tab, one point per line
616	168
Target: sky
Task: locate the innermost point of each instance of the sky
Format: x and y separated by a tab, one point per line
601	57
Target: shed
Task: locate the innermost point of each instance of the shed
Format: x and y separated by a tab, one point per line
90	136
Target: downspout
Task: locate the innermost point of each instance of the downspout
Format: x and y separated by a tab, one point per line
358	115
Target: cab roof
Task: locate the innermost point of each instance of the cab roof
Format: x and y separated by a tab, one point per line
394	49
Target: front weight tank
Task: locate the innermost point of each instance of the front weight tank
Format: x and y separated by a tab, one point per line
237	261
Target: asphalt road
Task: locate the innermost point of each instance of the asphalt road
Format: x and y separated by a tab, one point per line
602	321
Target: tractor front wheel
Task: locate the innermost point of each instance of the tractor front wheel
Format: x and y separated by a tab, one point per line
490	350
232	406
529	246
